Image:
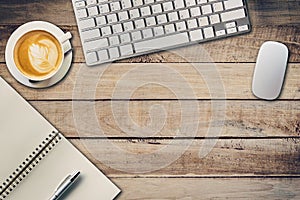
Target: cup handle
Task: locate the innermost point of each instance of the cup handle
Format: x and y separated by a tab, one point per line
66	37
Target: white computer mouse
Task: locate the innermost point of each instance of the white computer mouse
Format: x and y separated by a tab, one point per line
270	70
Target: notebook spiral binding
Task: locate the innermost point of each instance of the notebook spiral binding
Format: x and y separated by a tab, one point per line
29	163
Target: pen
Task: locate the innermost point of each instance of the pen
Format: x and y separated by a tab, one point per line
66	183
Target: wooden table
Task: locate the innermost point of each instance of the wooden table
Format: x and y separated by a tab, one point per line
257	153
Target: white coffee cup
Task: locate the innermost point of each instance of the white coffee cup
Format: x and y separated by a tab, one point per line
38	51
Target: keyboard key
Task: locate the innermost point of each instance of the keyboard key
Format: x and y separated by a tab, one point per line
115	6
91	34
243	28
81	13
145	11
218	7
88	23
149	1
123	15
137	35
201	1
112	18
206	9
190	2
134	13
105	31
220	32
117	28
103	9
125	38
231	30
114	52
168	6
158	31
126	3
93	11
128	26
208	32
147	33
126	50
100	43
161	19
161	42
229	4
150	21
184	14
80	4
140	23
230	25
233	15
180	26
103	55
179	4
91	2
173	16
156	8
137	2
91	57
114	40
170	28
195	11
196	35
101	20
192	23
214	19
203	21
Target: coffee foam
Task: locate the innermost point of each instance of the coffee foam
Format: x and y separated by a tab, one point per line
37	54
43	55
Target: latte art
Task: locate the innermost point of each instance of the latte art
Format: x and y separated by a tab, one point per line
38	54
43	56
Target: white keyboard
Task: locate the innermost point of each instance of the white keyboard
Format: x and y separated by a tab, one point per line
115	29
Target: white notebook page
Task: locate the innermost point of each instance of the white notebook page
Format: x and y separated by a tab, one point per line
21	130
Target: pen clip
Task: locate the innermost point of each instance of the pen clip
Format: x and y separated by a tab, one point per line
74	176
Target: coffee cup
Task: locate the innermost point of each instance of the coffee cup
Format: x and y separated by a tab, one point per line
39	53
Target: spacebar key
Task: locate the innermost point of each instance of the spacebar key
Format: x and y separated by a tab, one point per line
161	43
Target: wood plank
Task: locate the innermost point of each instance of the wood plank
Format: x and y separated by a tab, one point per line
195	188
261	12
188	81
240	119
181	157
243	48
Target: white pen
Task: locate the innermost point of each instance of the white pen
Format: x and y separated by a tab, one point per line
66	183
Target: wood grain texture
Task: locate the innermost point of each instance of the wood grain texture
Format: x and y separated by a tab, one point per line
227	157
240	119
258	150
186	80
195	188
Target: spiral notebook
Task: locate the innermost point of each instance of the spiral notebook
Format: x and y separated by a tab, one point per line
35	157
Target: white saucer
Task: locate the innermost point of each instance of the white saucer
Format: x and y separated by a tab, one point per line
36	25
